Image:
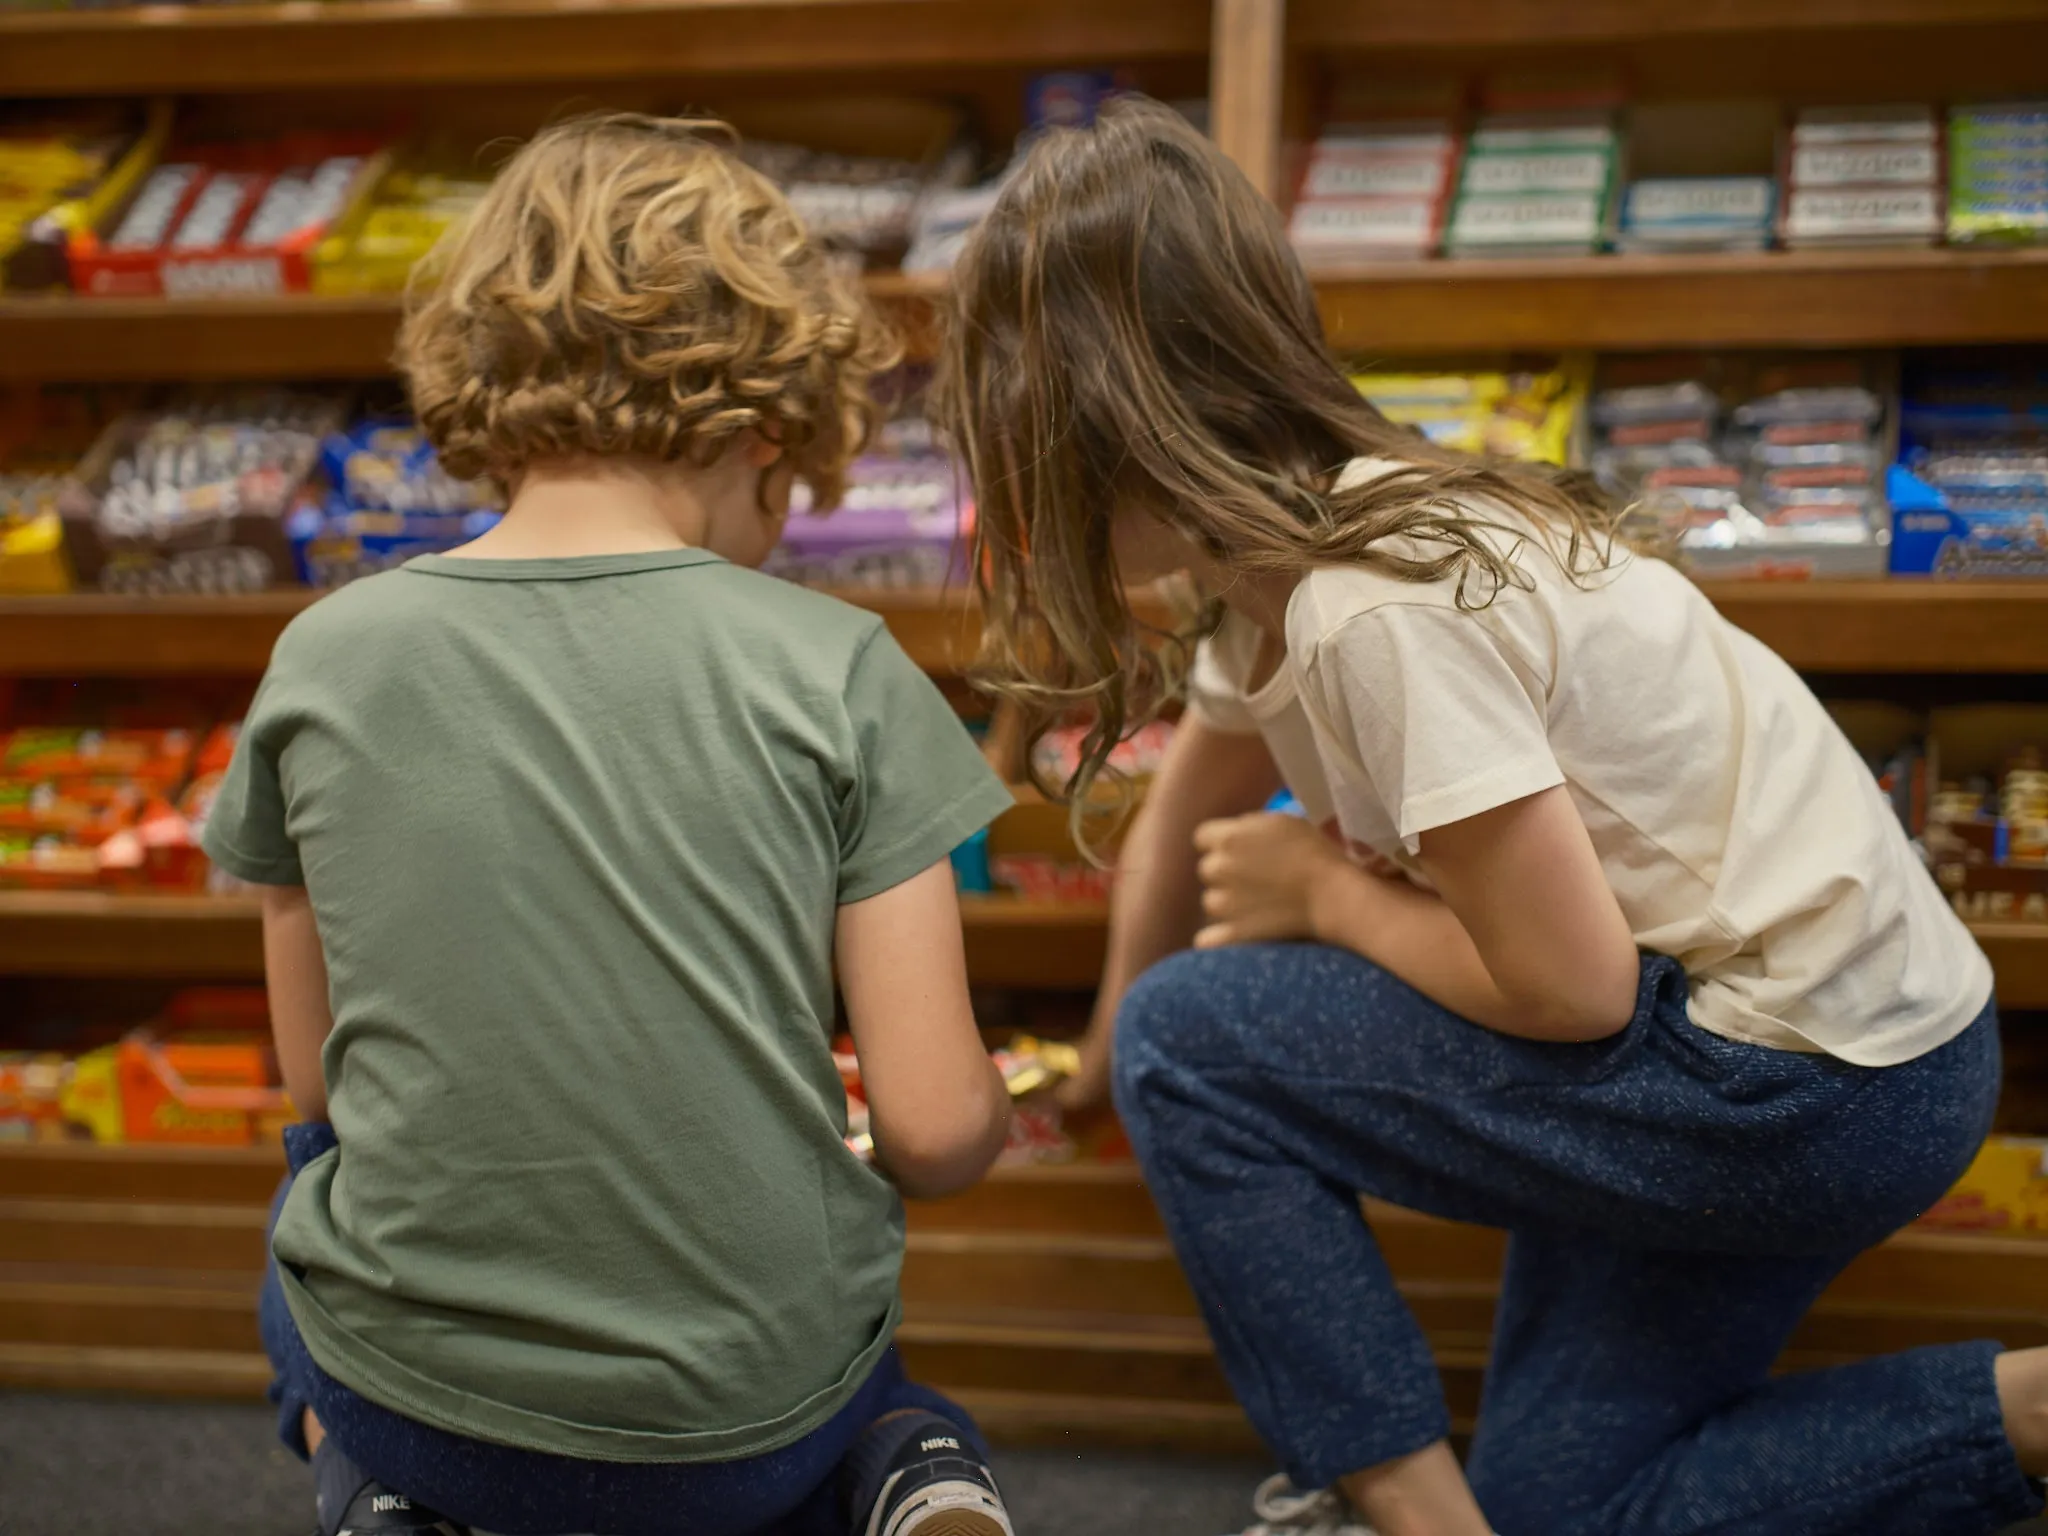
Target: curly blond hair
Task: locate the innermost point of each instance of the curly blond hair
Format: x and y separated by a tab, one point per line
629	287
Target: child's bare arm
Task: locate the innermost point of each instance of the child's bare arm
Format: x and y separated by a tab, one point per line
936	1103
300	1019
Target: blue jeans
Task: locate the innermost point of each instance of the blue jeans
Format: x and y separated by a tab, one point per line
788	1492
1676	1201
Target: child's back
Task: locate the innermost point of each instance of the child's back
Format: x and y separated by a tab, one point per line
563	837
575	833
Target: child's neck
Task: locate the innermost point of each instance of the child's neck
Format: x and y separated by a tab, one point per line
564	508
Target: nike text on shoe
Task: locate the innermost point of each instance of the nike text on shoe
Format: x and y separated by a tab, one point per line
913	1474
352	1503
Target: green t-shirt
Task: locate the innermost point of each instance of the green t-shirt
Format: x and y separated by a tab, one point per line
574	832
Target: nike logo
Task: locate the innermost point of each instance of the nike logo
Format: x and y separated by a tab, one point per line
385	1503
939	1443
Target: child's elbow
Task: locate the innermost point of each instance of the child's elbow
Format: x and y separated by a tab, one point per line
935	1155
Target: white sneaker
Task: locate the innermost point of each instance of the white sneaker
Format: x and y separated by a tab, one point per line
1283	1510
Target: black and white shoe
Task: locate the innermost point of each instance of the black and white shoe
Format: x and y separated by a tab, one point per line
913	1474
352	1503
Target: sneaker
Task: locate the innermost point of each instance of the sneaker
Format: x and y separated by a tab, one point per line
1285	1511
352	1503
913	1474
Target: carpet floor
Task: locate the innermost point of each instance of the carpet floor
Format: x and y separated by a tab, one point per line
75	1466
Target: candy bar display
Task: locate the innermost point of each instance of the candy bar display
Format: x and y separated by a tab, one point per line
1527	415
389	499
902	523
1376	188
1986	833
51	167
1535	185
1057	755
1754	470
43	433
84	807
201	1073
1863	176
2004	1191
374	247
862	204
227	218
192	497
1969	493
1697	213
1998	173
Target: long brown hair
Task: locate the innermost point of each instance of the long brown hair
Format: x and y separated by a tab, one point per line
1130	327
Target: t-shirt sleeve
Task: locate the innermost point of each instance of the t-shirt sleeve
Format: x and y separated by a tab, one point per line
1216	693
1446	719
920	786
245	829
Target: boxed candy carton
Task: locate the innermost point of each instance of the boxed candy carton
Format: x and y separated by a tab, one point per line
390	499
193	497
2005	1191
236	218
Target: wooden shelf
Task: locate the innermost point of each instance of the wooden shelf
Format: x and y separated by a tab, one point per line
1899	626
1905	625
1615	303
1010	943
60	339
382	43
1874	298
1551	23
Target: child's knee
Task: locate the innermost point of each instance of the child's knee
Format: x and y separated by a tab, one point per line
1170	1022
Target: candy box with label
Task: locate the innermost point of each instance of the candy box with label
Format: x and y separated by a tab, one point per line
204	1073
192	498
227	218
2005	1190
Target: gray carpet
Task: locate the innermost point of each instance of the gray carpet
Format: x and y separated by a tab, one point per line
87	1467
72	1466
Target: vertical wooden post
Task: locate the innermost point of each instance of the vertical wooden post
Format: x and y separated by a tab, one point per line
1248	47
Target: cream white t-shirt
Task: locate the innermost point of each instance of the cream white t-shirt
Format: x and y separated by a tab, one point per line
1740	831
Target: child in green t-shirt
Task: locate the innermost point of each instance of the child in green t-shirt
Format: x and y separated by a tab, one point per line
562	837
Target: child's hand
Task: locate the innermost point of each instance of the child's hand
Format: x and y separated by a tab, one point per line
1263	878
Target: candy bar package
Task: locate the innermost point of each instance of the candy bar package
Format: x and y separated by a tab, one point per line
1535	185
240	218
1863	176
1998	173
1969	490
54	167
374	246
1518	414
1745	467
192	497
903	522
1375	191
43	434
1697	213
389	499
899	525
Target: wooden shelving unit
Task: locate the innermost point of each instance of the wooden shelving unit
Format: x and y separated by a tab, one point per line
1615	303
68	340
1049	1300
1641	303
1822	627
293	45
1010	942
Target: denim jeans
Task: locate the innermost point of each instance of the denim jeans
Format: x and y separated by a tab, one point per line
787	1492
1675	1203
